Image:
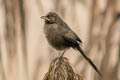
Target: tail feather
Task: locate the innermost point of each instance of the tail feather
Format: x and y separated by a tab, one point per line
89	60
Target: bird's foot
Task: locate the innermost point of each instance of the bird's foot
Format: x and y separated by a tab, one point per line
59	60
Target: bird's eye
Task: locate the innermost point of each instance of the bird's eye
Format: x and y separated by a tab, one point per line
47	16
50	16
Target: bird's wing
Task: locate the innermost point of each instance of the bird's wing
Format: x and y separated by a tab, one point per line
78	39
70	41
67	32
71	38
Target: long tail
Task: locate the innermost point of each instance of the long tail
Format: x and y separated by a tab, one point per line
89	60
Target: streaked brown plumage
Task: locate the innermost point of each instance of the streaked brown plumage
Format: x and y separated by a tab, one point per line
61	37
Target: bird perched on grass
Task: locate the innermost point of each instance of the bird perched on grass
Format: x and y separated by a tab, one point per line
61	37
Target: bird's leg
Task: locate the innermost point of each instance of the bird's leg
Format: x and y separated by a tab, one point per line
60	58
63	53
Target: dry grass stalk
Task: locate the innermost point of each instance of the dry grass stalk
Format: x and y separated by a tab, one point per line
61	71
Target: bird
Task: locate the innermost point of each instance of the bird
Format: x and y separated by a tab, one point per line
61	37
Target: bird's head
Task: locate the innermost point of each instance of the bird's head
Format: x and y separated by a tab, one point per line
50	18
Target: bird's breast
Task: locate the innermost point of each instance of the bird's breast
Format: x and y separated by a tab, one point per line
53	35
51	30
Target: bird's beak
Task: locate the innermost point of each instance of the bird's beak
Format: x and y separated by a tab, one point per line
44	17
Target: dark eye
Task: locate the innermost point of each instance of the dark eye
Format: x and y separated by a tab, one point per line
48	16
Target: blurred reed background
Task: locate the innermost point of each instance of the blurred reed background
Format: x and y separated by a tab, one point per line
25	53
